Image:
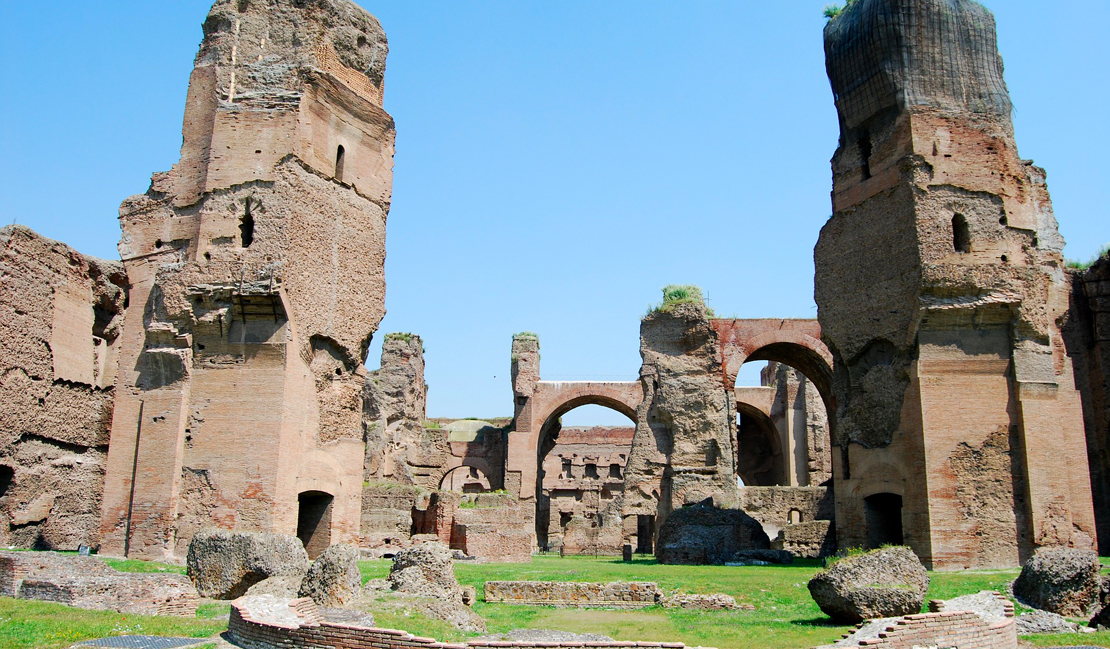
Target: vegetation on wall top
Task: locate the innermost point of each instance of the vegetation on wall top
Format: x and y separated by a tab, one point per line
676	294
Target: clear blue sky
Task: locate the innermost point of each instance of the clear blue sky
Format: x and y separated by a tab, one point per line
557	162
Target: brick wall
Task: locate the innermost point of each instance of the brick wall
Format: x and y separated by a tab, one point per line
617	594
312	633
88	583
961	629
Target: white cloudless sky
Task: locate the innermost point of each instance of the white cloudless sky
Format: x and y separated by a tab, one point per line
557	162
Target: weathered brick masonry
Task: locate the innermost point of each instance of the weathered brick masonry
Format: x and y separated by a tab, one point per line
313	633
618	594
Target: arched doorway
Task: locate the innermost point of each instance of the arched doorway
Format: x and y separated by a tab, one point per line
465	479
581	458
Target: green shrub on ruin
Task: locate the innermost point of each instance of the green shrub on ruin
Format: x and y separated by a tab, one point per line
676	294
832	11
1075	264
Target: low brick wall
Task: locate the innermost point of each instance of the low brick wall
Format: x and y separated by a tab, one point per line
88	582
311	633
955	629
618	594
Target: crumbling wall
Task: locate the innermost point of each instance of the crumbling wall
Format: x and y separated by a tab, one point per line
257	273
581	496
948	237
1088	340
683	451
394	409
387	510
617	594
801	417
60	318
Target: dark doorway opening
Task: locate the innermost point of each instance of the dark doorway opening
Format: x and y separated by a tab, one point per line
961	234
314	521
645	534
7	474
884	519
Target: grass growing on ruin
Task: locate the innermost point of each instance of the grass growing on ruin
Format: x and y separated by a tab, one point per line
785	616
44	625
676	294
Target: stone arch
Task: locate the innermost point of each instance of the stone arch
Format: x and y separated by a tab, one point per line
550	400
759	456
466	478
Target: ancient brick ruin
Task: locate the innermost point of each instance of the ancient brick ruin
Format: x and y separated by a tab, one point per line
256	273
215	376
955	397
60	323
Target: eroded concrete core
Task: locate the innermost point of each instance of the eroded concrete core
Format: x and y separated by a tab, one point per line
940	288
60	321
256	267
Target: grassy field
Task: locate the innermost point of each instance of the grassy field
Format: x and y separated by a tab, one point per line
785	615
44	625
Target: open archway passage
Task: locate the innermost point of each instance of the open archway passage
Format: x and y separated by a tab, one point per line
580	486
783	436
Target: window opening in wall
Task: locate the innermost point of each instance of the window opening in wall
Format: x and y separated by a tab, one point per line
564	520
340	154
795	516
7	474
614	470
474	473
865	154
591	471
645	534
961	235
314	521
712	453
246	226
567	470
883	515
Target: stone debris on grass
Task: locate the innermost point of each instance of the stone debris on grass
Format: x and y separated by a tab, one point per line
1046	622
1064	581
334	579
714	602
224	565
887	582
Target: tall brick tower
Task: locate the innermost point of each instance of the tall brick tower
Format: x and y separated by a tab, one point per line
940	289
256	266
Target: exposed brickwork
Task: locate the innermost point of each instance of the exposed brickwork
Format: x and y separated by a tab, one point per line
955	400
88	583
257	274
1088	339
582	476
312	633
953	629
617	594
60	317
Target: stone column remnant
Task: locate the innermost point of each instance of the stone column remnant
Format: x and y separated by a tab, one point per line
394	409
683	450
256	267
940	288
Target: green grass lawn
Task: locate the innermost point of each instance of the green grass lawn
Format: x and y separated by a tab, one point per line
785	616
44	625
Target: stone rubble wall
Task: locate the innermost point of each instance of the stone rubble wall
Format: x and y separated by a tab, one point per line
88	583
254	632
618	594
60	316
